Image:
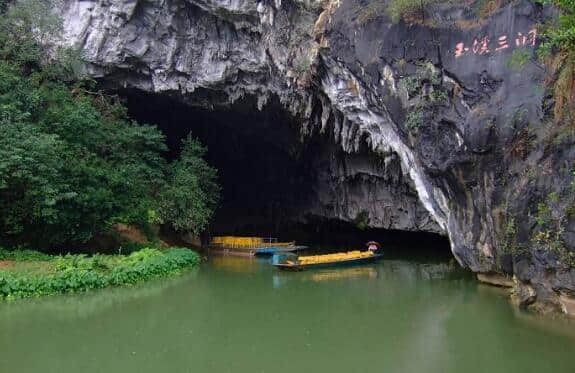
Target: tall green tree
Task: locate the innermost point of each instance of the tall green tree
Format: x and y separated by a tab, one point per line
191	194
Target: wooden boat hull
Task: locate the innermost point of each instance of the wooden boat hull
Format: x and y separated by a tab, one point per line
339	263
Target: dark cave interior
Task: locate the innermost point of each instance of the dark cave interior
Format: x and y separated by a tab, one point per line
266	172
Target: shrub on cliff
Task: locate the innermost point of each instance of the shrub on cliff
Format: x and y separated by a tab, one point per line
71	161
558	49
402	9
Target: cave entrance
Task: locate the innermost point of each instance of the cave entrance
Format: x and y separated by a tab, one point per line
269	178
262	166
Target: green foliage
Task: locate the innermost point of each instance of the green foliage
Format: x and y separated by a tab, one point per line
558	50
426	92
551	218
78	273
370	12
402	9
560	35
23	255
438	96
361	221
543	214
67	168
518	59
28	29
508	243
414	119
71	162
191	194
412	84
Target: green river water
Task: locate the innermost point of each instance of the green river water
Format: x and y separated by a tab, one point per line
241	315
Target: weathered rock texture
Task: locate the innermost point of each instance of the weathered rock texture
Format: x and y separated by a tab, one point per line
454	105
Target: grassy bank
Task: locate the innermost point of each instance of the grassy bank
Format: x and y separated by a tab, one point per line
25	273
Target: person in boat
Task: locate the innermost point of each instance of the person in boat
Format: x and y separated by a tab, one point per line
373	246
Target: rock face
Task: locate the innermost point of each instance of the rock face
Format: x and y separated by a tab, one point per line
451	105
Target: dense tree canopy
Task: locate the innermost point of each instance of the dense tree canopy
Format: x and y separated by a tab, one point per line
71	162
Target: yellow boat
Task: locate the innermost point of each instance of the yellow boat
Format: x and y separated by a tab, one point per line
249	246
292	261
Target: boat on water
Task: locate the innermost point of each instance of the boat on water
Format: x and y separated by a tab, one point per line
250	246
292	261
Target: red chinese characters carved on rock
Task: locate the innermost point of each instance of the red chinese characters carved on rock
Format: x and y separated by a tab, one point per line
480	46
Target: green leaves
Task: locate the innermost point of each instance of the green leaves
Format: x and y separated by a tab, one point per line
26	26
398	9
76	273
188	200
66	168
71	161
559	35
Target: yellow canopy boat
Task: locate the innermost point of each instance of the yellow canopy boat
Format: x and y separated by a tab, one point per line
252	245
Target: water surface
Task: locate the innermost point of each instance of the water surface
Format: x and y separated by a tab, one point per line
241	315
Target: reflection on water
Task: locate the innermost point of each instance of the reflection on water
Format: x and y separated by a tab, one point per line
283	278
236	263
84	305
343	273
242	315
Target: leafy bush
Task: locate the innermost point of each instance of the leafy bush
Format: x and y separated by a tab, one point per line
560	35
402	9
370	12
427	94
78	273
518	59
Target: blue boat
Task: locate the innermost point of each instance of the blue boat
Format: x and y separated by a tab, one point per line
277	250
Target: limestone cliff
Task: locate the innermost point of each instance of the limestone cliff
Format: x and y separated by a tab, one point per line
451	104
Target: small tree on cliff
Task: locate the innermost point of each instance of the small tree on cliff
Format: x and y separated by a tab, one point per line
401	9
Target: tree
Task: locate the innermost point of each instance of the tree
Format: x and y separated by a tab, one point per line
72	163
191	194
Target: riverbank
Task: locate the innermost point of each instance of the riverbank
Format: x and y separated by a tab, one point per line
27	273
